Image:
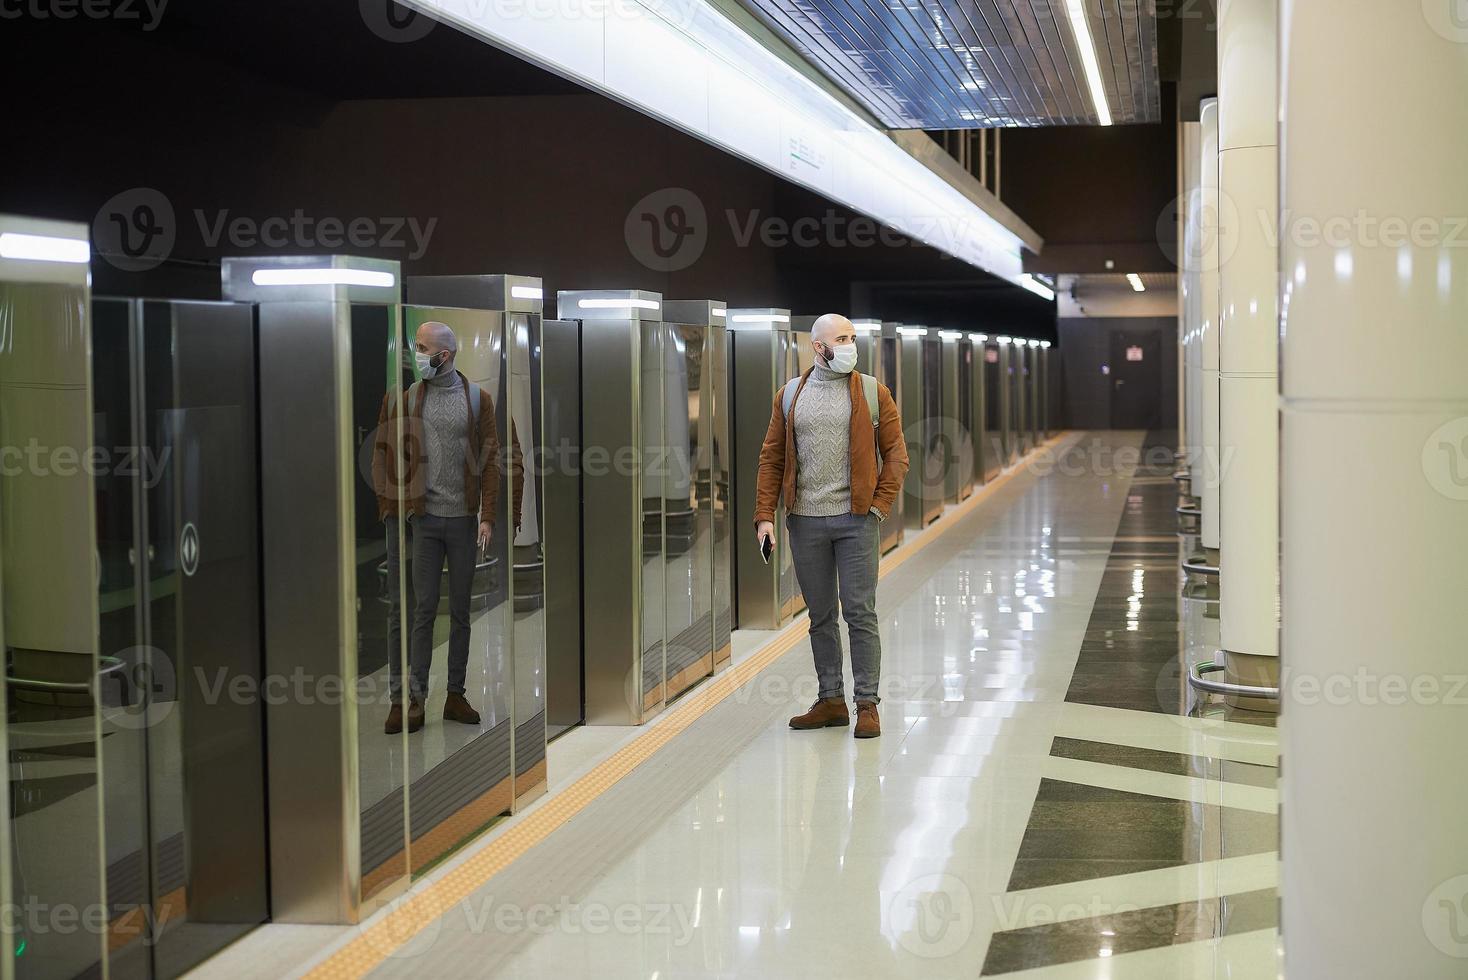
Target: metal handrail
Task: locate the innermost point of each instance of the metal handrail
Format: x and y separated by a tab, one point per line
109	665
1196	567
1198	682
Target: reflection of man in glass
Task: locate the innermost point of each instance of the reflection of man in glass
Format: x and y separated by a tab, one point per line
450	475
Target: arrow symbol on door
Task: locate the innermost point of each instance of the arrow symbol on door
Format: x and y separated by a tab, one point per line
188	549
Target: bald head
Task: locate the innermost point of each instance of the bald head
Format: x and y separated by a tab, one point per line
832	329
433	337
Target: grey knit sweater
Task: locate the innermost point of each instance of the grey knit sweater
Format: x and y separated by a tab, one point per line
446	438
823	445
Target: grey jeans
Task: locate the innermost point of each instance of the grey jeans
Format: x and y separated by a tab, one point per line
838	556
436	539
394	608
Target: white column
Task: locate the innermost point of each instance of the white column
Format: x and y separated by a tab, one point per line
1248	286
1207	492
1374	488
1189	266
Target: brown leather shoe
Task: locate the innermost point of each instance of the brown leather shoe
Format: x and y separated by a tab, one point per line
455	708
868	725
825	713
394	723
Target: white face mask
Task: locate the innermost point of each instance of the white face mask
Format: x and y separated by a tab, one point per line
425	364
843	358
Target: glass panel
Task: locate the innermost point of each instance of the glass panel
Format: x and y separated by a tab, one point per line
51	538
689	515
377	384
654	469
457	623
527	493
935	461
716	450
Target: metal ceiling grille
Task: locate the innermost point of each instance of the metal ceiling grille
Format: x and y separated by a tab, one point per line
969	64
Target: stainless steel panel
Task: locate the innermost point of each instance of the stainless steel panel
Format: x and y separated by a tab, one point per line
310	606
954	442
917	487
1008	393
622	516
994	458
320	394
560	464
936	441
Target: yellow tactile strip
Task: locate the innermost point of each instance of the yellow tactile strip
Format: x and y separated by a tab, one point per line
414	911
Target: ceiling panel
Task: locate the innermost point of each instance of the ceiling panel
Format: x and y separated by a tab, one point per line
971	64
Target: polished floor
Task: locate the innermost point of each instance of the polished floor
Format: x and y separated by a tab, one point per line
1046	800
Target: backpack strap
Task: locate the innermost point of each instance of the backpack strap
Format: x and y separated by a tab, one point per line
869	389
788	398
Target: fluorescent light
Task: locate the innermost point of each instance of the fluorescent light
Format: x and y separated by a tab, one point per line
617	304
1036	286
44	248
527	292
717	311
761	318
1087	48
951	334
867	326
1034	343
913	331
1045	344
322	277
1136	282
979	338
1005	340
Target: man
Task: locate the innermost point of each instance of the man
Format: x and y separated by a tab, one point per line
821	455
450	475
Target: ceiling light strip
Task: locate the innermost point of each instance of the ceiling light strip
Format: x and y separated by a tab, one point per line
1087	48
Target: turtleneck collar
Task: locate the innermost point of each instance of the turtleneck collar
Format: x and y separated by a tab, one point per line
446	379
823	373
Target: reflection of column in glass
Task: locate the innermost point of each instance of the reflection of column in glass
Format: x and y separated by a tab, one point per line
718	444
48	546
690	521
524	342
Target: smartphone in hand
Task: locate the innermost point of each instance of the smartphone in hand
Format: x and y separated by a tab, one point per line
766	548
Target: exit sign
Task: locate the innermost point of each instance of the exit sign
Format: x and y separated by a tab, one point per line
1134	353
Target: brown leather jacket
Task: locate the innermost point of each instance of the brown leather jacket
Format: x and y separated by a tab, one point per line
405	473
870	487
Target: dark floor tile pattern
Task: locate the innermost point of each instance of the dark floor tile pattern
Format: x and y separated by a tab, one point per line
1174	763
1129	656
1129	659
1129	931
1077	832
